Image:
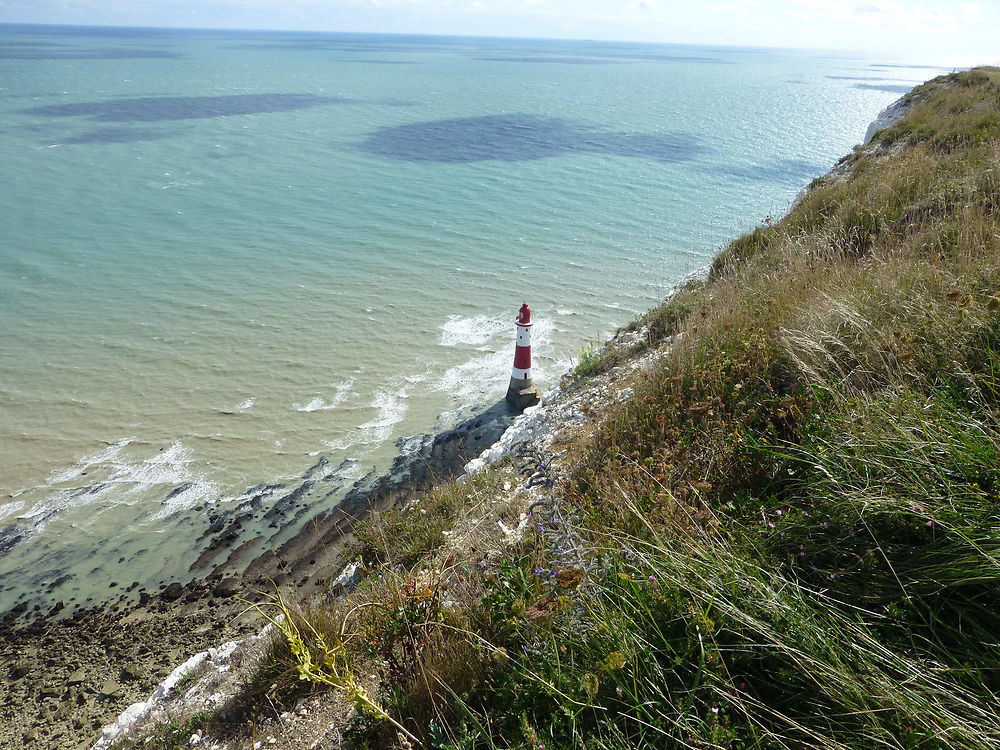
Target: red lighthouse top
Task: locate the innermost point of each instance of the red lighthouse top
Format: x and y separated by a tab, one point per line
524	315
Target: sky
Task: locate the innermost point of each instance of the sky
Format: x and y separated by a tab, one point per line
937	32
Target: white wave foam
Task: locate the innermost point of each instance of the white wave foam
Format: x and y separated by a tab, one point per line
390	406
477	377
180	184
489	374
189	497
563	365
247	403
318	403
125	478
6	511
391	410
107	456
168	466
348	471
341	445
475	331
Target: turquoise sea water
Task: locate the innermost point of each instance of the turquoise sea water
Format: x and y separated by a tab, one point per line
227	258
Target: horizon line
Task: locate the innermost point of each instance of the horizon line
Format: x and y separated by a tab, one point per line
438	35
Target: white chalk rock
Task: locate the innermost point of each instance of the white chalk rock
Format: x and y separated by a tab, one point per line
349	577
887	118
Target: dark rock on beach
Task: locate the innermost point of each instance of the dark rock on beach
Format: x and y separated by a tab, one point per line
172	593
314	551
79	670
226	588
61	680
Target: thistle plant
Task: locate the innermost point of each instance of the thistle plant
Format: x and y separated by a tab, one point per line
320	662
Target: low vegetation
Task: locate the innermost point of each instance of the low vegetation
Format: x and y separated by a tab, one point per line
787	537
173	734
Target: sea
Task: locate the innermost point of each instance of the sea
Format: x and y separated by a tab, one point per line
236	264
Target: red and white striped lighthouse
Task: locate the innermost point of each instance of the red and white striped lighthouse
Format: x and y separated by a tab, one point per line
521	391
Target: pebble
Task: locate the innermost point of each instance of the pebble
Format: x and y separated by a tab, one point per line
110	689
133	672
540	423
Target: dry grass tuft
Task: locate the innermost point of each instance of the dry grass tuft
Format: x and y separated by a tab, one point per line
787	537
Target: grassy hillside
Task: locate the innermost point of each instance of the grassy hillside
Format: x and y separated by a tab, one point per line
787	536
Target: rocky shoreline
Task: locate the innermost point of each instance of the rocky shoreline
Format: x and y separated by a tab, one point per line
66	675
568	409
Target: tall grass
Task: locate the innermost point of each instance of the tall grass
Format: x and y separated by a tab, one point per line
789	536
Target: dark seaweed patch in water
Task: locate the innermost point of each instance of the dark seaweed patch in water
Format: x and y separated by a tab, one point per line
12	44
555	60
109	53
520	138
114	135
397	102
9	538
869	79
100	32
890	87
783	170
332	46
353	42
165	108
648	57
602	58
908	67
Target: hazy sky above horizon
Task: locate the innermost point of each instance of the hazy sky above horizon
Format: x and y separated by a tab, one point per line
938	32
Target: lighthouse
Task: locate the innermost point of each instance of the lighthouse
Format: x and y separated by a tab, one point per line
521	391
